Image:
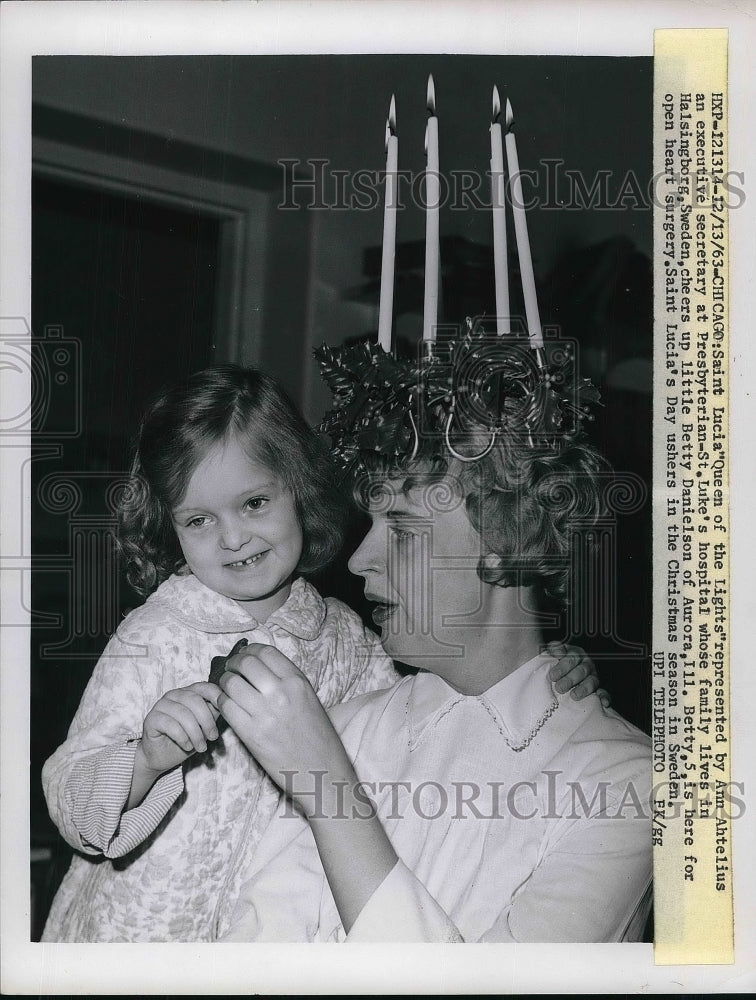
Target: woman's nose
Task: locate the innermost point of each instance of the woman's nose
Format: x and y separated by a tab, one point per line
367	555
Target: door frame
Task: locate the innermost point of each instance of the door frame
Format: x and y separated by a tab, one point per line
79	150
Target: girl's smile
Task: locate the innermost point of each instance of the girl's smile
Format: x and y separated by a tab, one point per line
238	529
249	561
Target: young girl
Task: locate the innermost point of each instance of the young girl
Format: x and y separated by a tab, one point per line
232	500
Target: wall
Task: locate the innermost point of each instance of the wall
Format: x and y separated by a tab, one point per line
593	114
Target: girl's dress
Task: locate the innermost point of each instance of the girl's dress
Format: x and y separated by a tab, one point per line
516	815
170	869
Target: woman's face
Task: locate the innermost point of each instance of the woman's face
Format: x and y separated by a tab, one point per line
419	561
238	529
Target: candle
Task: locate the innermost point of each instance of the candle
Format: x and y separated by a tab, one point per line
521	233
432	196
498	209
386	310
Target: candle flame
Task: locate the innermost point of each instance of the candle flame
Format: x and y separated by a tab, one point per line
496	106
509	115
390	122
431	97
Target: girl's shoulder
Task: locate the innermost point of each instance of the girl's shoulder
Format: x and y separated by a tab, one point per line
161	612
310	616
145	624
182	603
347	622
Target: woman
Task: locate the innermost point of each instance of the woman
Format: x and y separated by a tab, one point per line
470	801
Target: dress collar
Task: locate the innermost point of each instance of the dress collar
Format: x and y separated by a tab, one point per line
192	603
519	705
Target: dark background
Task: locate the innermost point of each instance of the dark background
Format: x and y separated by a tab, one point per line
125	292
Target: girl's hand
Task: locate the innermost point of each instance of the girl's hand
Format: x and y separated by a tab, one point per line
273	709
180	724
574	671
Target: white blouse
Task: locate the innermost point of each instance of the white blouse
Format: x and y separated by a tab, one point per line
516	815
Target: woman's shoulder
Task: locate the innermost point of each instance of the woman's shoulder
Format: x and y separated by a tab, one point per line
387	705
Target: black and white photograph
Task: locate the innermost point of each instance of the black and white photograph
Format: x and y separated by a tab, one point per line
335	388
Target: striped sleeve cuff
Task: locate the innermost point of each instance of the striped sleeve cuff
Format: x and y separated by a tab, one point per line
98	790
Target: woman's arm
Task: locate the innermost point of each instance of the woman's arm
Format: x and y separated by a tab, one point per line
275	712
355	852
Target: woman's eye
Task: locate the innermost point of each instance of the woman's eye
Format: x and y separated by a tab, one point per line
196	522
401	535
256	503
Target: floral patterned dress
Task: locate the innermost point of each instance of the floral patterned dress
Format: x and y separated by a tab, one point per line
171	868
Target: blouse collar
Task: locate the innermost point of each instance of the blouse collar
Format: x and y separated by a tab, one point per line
519	705
192	603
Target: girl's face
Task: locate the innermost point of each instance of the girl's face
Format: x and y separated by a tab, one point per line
238	529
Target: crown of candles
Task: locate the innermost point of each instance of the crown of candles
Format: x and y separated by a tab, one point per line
499	141
439	404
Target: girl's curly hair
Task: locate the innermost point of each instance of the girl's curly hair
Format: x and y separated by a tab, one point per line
176	432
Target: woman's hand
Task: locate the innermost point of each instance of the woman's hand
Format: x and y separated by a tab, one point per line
273	709
575	671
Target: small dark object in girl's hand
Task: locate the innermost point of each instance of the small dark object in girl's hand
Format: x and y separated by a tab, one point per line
218	663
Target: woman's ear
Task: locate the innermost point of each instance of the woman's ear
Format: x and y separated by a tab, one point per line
490	567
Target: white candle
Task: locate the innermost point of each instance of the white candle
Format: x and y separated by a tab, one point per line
498	210
433	198
386	310
521	233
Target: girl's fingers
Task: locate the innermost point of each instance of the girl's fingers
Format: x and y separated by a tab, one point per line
605	697
184	715
566	661
205	714
584	688
575	676
562	667
162	724
205	689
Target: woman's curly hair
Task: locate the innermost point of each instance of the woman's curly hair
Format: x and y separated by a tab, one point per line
176	432
528	503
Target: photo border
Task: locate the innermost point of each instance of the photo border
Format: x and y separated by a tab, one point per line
211	26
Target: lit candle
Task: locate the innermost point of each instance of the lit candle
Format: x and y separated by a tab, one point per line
498	209
386	310
521	233
432	196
